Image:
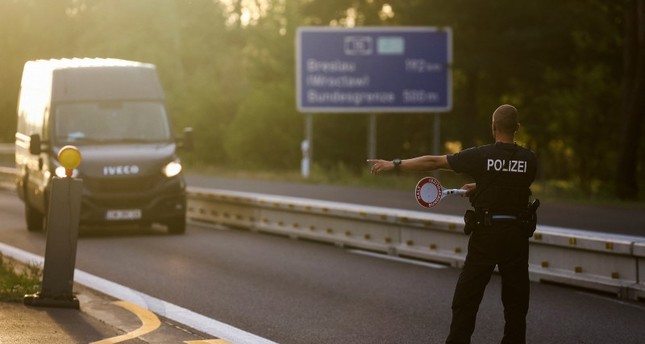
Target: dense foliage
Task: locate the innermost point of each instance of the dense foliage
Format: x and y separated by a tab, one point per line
573	68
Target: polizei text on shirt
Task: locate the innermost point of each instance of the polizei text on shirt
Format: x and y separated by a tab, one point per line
500	165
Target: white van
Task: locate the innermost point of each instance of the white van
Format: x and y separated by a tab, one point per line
114	112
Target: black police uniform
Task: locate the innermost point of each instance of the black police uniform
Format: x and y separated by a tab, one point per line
503	173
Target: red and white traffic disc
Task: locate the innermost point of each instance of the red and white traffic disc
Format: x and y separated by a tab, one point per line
428	192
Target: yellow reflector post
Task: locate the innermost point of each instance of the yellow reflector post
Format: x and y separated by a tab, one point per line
69	157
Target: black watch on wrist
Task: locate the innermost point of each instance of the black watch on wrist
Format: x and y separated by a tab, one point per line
397	163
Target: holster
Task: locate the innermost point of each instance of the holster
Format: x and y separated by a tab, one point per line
470	221
476	219
528	218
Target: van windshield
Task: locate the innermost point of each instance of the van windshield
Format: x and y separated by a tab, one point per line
110	122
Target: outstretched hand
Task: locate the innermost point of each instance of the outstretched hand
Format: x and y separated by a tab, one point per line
379	165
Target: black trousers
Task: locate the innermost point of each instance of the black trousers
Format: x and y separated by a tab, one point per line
505	245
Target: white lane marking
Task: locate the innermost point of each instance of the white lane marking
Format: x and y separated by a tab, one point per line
399	259
176	313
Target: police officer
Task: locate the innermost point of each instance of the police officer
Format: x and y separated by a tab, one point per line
503	173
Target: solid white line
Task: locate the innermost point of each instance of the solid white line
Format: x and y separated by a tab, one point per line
398	259
176	313
20	255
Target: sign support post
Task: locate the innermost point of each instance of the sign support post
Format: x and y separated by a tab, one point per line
307	146
436	139
371	136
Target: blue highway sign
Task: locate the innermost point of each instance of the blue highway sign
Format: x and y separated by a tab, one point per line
374	69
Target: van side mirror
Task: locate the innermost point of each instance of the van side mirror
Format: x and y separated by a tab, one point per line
187	141
35	144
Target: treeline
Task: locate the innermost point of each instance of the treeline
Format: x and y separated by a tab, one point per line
575	69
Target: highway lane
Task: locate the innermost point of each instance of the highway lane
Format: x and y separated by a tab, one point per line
606	219
294	291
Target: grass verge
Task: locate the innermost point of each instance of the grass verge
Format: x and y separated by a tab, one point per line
18	280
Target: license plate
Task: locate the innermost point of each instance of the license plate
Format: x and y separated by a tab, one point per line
127	214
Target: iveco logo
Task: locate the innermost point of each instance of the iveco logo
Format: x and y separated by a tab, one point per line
120	170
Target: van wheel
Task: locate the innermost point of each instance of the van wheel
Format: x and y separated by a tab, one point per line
35	219
177	226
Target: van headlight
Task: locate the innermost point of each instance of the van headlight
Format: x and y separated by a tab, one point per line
60	172
171	169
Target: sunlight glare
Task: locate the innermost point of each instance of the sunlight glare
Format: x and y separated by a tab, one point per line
386	12
246	12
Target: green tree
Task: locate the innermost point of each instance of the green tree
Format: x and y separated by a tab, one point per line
213	83
633	106
266	131
29	30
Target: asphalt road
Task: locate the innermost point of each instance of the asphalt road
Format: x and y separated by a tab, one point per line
292	291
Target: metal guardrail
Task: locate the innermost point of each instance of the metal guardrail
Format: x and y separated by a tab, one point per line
597	261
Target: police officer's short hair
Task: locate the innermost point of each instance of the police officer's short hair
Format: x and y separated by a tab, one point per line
505	118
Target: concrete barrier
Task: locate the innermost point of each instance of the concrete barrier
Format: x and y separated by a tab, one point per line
597	261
